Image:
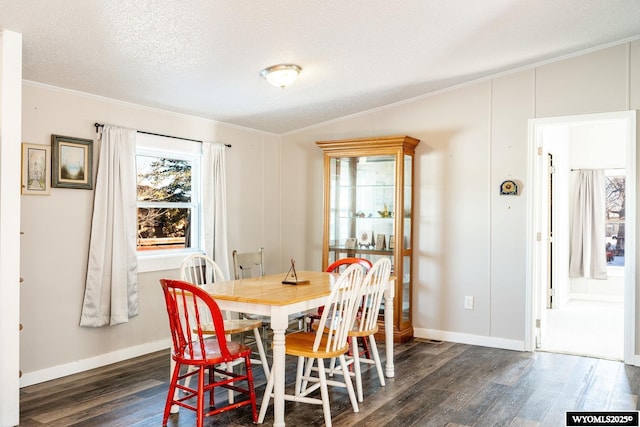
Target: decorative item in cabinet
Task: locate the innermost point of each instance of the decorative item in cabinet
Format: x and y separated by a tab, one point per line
368	199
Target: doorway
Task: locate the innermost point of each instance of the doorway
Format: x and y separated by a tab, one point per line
584	316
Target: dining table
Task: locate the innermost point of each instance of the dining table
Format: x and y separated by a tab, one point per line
268	296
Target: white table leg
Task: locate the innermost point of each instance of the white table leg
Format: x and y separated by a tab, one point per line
279	325
388	330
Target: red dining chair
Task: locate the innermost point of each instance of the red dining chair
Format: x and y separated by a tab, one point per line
345	262
335	268
187	306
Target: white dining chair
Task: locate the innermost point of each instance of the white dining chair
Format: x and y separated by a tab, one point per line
200	269
329	341
366	323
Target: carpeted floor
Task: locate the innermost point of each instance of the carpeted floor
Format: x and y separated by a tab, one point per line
589	328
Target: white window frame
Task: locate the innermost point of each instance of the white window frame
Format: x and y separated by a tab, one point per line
158	146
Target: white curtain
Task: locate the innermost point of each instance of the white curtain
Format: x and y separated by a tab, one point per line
588	247
214	191
111	293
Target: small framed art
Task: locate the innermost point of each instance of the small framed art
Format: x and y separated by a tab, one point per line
380	242
366	240
71	162
36	176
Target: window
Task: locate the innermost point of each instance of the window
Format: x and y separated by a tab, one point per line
615	216
168	187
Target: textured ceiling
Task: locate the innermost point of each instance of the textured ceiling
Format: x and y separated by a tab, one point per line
204	57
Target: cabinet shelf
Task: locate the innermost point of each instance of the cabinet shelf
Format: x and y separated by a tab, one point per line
364	251
367	217
361	178
368	186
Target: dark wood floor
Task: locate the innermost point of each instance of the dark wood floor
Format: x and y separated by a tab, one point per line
436	384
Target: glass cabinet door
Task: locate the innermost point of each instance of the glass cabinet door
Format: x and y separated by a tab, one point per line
361	207
407	214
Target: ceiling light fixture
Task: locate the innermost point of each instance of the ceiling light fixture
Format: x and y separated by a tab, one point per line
281	75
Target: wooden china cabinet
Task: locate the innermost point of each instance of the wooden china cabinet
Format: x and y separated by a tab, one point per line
368	210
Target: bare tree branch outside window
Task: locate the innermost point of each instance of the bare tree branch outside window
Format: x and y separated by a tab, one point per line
164	184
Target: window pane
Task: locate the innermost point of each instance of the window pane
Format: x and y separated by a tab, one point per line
163	179
163	228
615	227
164	186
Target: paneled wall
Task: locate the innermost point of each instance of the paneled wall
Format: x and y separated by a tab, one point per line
470	240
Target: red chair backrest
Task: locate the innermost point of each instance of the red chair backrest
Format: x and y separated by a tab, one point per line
335	267
189	307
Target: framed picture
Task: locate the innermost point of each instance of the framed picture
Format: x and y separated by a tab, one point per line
351	243
380	243
36	176
366	240
71	162
392	241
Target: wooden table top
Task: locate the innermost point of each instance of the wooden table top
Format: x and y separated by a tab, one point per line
269	290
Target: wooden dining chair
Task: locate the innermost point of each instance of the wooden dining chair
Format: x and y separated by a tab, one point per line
248	264
187	304
251	264
329	341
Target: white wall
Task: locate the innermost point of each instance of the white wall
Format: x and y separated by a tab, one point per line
470	240
55	244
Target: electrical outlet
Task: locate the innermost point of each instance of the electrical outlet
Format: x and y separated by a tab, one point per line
468	302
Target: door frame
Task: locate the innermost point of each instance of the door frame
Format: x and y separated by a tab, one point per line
536	212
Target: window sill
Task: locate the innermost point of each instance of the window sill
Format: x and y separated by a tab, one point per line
160	262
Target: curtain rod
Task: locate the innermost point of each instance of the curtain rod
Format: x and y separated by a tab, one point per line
609	169
99	125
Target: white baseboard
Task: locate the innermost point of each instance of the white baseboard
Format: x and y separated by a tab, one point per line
60	371
432	334
596	297
480	340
